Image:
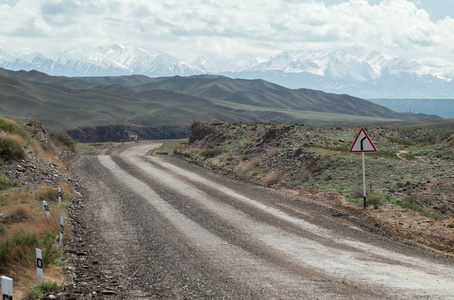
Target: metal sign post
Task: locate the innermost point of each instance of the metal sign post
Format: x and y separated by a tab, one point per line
60	236
363	144
39	265
59	195
46	208
7	288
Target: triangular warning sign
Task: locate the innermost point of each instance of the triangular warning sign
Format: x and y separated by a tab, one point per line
363	143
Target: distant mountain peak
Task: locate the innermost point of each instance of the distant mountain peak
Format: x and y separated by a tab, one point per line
351	70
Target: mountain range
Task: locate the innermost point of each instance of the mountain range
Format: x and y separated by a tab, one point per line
354	71
61	102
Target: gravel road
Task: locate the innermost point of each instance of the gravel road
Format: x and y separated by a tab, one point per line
160	228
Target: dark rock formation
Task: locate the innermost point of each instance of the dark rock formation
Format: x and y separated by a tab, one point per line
121	133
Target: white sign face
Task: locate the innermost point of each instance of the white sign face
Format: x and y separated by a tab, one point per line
46	208
39	265
7	288
363	143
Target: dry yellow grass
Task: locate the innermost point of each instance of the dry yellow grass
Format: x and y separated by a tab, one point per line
271	178
30	228
27	225
19	212
247	167
16	138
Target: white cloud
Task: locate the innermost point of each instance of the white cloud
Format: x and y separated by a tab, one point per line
234	28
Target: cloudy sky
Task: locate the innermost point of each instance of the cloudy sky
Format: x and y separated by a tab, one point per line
234	29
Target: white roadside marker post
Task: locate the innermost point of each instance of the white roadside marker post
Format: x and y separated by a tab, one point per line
39	265
59	195
363	144
46	208
60	236
7	288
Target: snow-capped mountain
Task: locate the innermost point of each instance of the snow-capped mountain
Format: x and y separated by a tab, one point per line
353	70
102	61
357	72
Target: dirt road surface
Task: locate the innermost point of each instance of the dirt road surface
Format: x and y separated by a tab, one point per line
161	228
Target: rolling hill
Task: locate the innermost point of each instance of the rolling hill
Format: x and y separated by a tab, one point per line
66	103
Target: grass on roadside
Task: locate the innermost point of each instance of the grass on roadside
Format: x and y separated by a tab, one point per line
37	291
93	148
25	227
168	147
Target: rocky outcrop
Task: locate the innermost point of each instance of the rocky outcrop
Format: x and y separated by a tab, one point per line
122	133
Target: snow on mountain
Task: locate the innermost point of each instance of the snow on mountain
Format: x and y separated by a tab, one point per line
354	70
103	61
142	61
214	65
350	63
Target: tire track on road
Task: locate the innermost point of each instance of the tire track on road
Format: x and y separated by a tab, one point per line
265	280
415	278
261	237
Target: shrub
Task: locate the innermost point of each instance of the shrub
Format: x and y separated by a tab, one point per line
21	246
20	212
47	148
10	149
6	183
8	126
48	193
375	199
271	178
39	290
62	140
210	153
162	153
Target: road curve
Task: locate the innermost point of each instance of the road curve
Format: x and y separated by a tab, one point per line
171	230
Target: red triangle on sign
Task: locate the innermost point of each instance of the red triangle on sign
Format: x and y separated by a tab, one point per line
362	143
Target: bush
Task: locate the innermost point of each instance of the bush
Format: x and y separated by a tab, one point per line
18	247
11	127
375	199
6	183
20	212
10	149
48	193
39	290
62	140
162	153
21	247
8	126
47	148
210	153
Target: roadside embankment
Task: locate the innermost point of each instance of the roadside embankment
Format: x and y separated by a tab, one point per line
409	180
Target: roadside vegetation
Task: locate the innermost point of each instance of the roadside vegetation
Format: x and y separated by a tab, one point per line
169	146
412	170
94	148
23	222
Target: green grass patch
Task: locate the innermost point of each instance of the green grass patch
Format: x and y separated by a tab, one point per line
62	140
37	291
10	149
92	148
210	153
6	183
168	147
11	127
